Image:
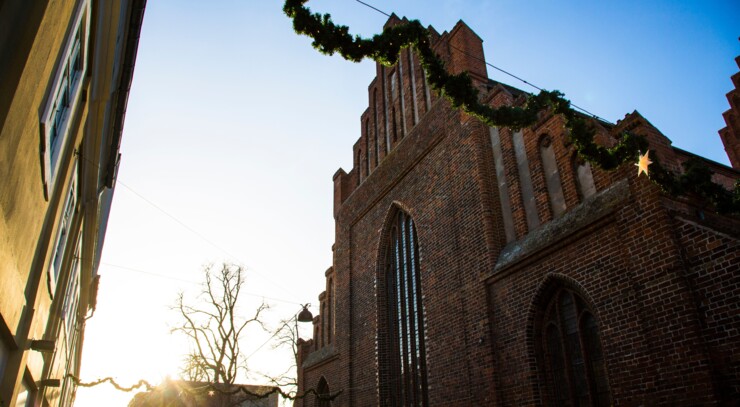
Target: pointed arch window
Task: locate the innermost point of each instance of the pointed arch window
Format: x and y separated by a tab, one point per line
405	373
573	359
322	394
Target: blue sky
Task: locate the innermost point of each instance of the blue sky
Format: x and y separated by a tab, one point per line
235	126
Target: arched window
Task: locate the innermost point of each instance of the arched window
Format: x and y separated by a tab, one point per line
405	373
322	394
573	360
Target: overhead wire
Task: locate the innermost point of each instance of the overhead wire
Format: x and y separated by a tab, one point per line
190	229
168	277
263	345
494	67
234	257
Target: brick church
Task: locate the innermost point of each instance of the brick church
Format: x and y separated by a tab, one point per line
478	266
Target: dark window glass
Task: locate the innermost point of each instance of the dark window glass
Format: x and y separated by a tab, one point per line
60	109
590	334
75	60
322	394
575	363
407	379
557	365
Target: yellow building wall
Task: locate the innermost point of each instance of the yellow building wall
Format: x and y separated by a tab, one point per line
29	222
33	46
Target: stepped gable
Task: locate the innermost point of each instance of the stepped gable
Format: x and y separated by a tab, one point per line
730	134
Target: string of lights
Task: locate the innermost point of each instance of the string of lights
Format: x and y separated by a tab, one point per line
208	388
143	384
459	90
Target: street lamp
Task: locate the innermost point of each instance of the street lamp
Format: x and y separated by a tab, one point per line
305	315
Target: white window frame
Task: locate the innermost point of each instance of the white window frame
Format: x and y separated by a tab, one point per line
65	225
72	296
64	98
70	308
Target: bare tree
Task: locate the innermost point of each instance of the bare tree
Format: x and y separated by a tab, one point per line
193	369
286	336
215	326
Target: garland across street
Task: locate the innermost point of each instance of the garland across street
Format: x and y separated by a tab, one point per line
208	388
329	38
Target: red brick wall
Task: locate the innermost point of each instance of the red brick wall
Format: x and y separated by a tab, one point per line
628	265
660	274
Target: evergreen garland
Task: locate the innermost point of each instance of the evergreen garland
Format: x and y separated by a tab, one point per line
385	48
205	388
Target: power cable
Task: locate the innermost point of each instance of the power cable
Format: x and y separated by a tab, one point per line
193	282
187	227
263	345
374	8
198	234
148	272
495	67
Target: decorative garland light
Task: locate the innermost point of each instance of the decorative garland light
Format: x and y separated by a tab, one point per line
209	388
385	48
643	163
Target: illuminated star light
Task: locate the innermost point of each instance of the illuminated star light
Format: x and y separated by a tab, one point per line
642	164
211	392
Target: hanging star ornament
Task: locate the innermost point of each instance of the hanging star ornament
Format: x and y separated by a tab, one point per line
643	163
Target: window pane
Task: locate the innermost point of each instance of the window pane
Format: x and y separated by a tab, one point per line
399	345
407	375
323	391
590	334
75	60
557	366
69	311
573	356
573	346
25	396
